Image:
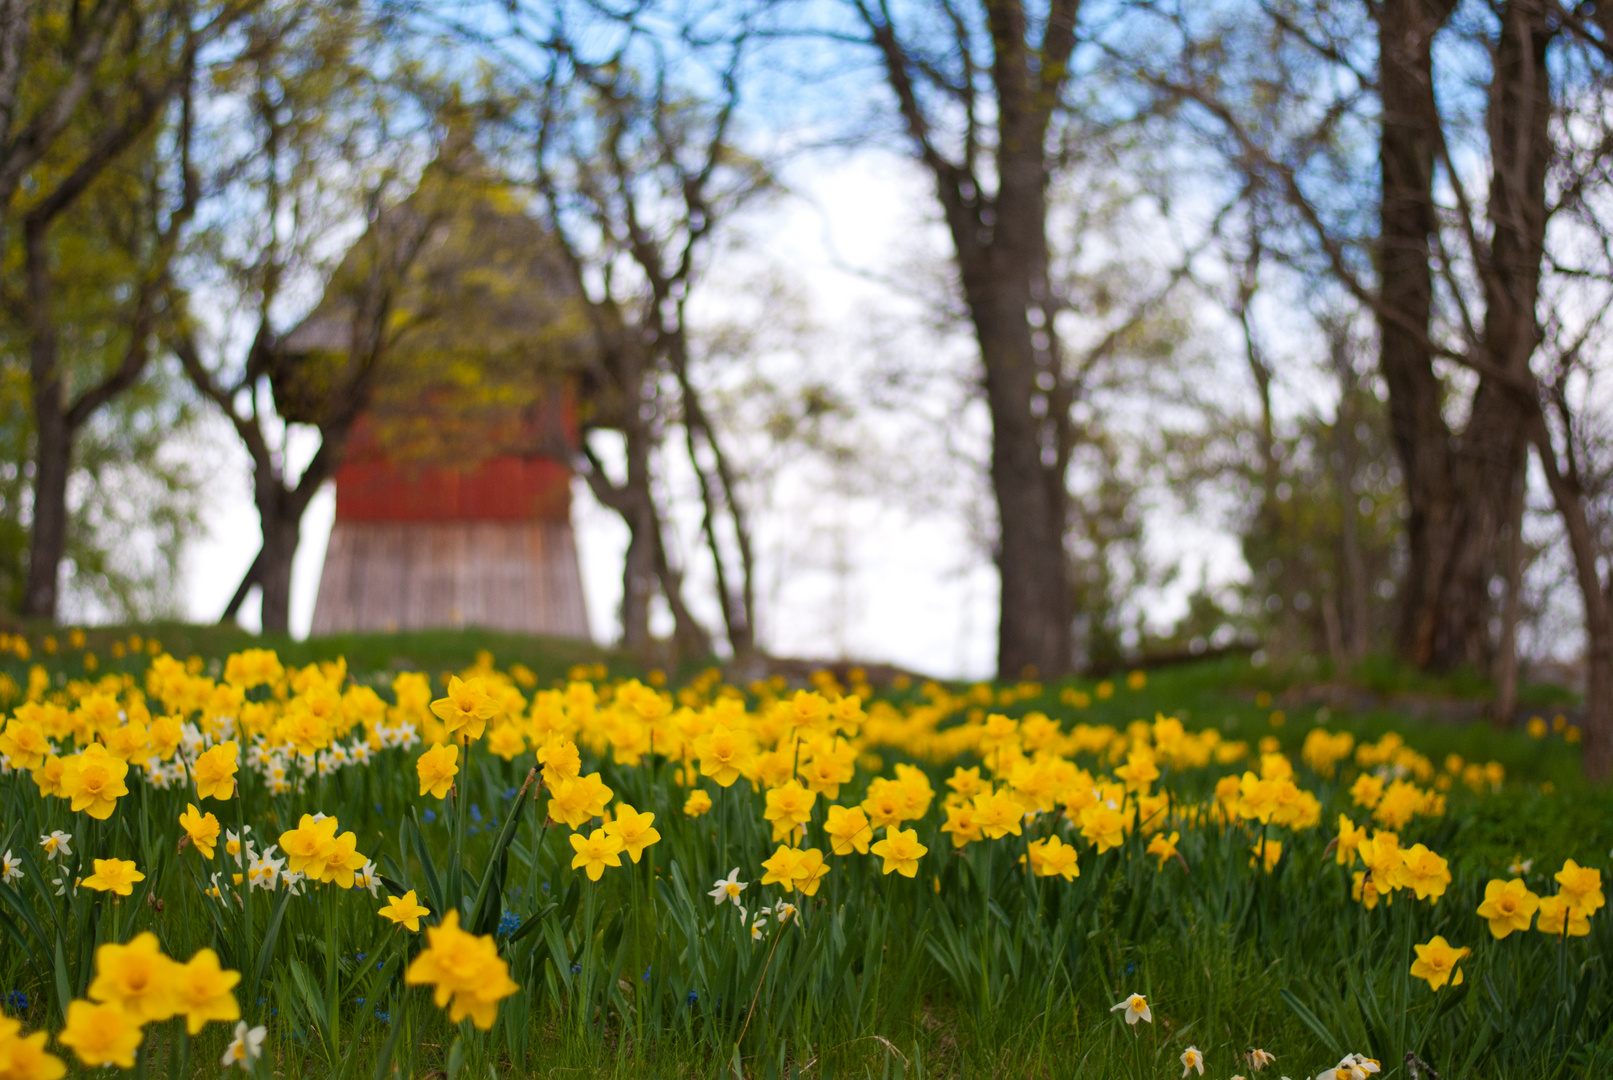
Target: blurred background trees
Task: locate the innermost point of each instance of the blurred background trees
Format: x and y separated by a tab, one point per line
1321	287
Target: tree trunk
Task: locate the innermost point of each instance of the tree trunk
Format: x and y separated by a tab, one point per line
16	30
1459	487
718	489
1597	597
639	567
1407	145
53	436
1597	756
1352	586
638	586
1506	659
647	562
1035	607
1003	282
48	543
1000	246
280	538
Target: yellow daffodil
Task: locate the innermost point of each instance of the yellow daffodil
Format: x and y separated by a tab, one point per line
1423	872
136	977
101	1034
808	871
203	829
302	845
721	752
789	808
1349	842
1052	857
24	745
114	876
202	991
901	851
94	781
1437	963
960	823
1164	848
848	830
1580	887
1382	856
576	802
780	867
634	829
1103	826
404	910
437	768
1558	918
506	741
24	1057
595	852
1365	890
467	708
337	860
215	771
1509	906
696	804
465	971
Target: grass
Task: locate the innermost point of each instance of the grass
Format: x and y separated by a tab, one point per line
971	968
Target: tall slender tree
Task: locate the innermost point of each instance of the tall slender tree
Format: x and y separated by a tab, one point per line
307	139
981	90
637	166
1474	263
84	91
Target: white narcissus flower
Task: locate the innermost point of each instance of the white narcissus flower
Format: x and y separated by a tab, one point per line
728	888
57	845
784	911
1352	1067
1136	1007
10	867
264	873
1259	1059
1192	1059
367	878
246	1047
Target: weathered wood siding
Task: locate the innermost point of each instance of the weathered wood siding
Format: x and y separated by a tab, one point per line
499	575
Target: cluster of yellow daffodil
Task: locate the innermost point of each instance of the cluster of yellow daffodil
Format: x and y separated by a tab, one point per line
134	986
1509	906
1388	866
806	766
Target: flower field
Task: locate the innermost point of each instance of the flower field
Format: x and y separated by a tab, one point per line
239	863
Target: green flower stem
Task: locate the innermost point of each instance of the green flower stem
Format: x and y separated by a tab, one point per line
248	960
332	974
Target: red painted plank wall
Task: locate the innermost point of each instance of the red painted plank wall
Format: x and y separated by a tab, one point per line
509	488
